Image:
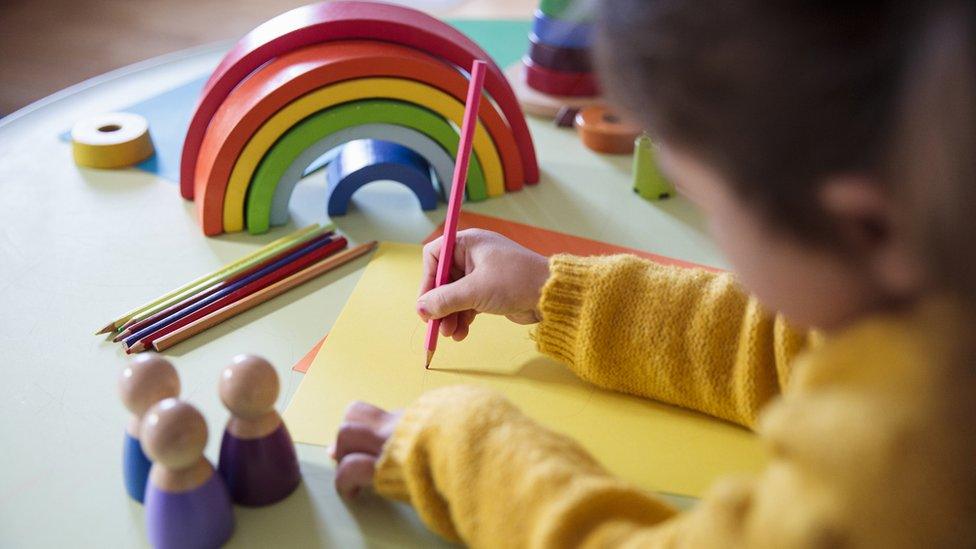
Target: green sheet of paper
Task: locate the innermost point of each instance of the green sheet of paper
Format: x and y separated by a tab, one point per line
375	353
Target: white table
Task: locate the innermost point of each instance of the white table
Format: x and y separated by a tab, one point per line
77	247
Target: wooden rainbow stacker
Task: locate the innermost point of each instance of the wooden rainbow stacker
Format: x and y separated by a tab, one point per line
299	80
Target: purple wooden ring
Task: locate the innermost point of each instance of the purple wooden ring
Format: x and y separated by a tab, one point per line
557	58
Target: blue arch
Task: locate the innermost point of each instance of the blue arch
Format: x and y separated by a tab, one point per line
367	160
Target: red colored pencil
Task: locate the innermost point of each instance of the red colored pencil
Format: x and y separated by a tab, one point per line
468	126
261	296
257	285
134	327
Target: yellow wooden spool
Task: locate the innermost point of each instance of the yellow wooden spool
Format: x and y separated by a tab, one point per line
112	140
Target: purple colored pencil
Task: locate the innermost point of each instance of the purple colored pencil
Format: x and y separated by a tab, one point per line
206	292
131	340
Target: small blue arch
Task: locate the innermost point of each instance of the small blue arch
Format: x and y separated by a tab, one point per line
364	161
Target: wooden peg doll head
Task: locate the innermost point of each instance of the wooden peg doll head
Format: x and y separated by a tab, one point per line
146	380
174	434
249	387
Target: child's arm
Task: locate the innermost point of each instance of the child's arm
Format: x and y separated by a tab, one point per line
684	336
478	471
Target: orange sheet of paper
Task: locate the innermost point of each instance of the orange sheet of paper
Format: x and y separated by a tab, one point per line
306	361
549	243
375	353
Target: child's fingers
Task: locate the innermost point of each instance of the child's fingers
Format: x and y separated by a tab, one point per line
365	414
449	324
450	298
354	473
465	318
431	254
356	438
431	257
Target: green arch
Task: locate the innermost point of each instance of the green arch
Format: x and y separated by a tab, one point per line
260	192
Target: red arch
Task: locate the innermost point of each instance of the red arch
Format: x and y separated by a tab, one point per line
346	20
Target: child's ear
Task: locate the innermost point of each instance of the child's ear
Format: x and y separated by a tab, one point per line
864	214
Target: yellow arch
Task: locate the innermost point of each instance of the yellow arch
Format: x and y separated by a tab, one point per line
343	92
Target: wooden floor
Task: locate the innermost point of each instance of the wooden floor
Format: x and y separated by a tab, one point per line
47	45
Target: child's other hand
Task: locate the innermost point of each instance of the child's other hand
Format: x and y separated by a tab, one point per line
491	274
364	431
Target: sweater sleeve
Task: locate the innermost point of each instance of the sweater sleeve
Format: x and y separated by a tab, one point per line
688	337
480	472
477	470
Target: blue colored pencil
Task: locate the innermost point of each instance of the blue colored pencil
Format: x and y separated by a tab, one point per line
131	340
206	292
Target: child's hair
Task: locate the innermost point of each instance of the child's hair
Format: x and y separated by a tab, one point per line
934	159
774	95
934	165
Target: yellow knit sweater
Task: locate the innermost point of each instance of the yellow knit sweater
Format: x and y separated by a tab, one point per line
871	445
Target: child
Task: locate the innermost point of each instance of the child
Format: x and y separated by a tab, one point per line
777	119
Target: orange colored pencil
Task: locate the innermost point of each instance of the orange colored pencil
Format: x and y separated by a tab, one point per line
261	296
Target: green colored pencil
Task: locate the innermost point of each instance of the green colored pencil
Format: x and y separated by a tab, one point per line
243	266
221	274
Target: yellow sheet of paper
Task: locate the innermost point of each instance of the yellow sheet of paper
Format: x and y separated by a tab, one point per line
375	353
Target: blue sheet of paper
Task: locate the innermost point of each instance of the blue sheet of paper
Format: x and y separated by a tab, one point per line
169	112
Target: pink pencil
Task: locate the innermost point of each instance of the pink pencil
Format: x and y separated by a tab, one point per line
468	125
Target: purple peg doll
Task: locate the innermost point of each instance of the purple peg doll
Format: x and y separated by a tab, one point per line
187	504
257	456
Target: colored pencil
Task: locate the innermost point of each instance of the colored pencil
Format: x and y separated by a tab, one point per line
265	271
233	287
446	258
261	296
240	267
190	287
142	339
133	326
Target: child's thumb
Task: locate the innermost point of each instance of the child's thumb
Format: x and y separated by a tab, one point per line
447	299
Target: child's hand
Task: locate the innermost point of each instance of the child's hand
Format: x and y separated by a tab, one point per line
359	444
491	274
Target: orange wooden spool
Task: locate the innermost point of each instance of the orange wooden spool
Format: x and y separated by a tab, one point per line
606	132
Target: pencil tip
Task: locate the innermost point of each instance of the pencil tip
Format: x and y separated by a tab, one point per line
430	356
106	330
121	336
137	348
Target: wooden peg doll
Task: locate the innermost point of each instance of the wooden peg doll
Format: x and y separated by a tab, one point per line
187	504
146	380
257	456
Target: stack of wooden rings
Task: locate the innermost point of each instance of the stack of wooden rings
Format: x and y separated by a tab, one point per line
558	60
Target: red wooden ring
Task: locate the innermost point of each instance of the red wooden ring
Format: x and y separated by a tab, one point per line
567	84
348	20
559	59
